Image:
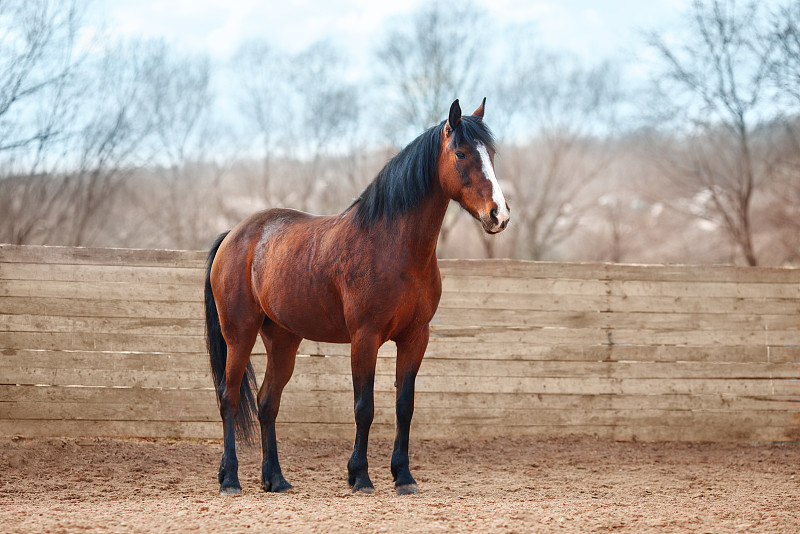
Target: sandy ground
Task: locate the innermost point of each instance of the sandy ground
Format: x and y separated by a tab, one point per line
504	485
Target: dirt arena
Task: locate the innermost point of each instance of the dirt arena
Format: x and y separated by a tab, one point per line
504	485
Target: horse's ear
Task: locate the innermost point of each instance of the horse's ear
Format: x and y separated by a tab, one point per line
479	112
454	118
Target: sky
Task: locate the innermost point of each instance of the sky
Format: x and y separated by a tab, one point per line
595	31
588	28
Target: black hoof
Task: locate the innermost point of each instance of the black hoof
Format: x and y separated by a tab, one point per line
272	480
230	491
367	490
361	484
407	489
280	487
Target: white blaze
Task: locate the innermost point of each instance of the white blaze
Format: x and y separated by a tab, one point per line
497	193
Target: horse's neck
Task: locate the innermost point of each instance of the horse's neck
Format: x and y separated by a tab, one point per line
418	229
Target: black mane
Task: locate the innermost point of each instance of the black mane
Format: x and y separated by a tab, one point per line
406	178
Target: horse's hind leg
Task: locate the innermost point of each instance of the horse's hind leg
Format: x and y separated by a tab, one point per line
281	348
240	338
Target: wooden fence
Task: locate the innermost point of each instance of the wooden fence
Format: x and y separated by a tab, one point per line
110	343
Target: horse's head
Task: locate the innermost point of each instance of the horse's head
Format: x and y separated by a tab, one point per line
466	168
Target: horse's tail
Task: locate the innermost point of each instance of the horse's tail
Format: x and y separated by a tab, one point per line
218	352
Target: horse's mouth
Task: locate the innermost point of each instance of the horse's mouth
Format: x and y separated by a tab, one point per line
492	228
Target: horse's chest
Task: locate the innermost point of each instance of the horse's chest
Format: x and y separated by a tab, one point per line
418	300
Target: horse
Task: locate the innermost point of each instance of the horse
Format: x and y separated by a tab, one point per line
365	276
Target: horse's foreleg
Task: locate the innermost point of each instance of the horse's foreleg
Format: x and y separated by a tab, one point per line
410	350
281	352
364	351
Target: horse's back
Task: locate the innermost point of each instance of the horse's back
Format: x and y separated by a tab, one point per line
238	250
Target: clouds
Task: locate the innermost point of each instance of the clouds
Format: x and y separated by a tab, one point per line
219	26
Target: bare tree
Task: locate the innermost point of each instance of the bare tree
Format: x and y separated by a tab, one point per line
114	119
784	208
786	29
301	107
37	58
715	86
263	96
327	114
37	65
429	59
177	88
77	123
571	111
329	104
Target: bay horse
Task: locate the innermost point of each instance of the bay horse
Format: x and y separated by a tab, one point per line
365	276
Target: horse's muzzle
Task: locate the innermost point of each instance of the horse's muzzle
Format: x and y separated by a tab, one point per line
496	221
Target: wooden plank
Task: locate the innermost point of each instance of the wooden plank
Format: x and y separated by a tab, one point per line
699	321
202	430
34	359
448	349
722	431
593	336
102	325
188	363
204	399
574	350
453	416
115	429
594	385
79	307
101	290
780	338
117	342
618	303
610	271
455	316
506	342
514	352
109	293
502	286
108	395
116	411
671	370
193	362
102	256
741	290
107	377
528	286
121	274
598	385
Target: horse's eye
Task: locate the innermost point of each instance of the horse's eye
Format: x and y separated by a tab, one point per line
460	155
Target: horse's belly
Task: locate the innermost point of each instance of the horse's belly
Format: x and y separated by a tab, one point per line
319	330
308	318
324	319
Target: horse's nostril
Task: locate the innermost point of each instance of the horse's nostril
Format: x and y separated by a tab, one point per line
504	224
493	215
